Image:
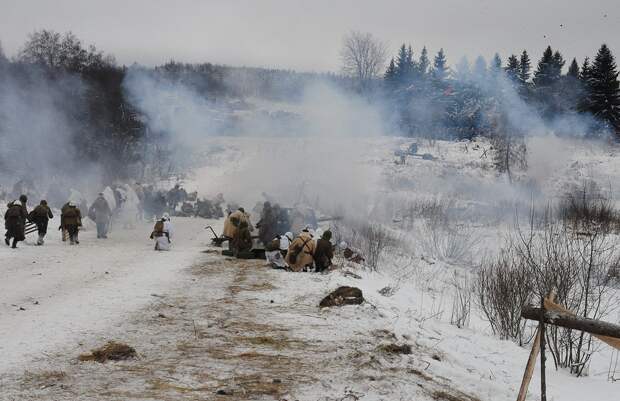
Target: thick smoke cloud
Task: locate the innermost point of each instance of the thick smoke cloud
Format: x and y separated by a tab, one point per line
38	130
318	157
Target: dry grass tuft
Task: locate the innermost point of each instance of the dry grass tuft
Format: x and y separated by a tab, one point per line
395	349
112	351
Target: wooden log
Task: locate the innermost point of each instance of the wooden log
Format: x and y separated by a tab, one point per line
552	306
570	321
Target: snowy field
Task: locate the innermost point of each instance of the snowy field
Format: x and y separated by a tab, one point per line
202	323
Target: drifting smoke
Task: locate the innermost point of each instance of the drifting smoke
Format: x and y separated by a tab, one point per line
38	131
318	158
316	148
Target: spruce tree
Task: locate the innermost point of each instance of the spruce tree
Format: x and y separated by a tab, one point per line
390	73
544	76
525	66
604	89
496	64
423	63
440	66
584	74
463	71
401	64
480	68
558	64
573	69
513	68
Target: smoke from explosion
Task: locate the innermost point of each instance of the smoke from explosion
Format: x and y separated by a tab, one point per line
320	158
38	130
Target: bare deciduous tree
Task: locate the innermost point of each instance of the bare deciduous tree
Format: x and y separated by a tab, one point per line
363	57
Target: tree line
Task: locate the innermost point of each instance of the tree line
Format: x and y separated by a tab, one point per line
89	118
94	123
428	97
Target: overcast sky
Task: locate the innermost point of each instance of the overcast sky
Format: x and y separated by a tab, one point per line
306	35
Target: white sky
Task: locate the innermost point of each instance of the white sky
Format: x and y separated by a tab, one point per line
306	35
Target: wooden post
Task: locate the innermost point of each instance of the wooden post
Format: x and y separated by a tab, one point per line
543	379
531	361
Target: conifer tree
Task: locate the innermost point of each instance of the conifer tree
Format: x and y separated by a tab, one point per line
604	89
525	66
463	71
480	68
496	64
440	66
584	74
401	64
545	73
573	69
558	64
513	68
390	73
423	63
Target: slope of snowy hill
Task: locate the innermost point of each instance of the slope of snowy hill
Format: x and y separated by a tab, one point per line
204	324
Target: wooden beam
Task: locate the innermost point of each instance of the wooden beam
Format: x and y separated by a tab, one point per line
552	306
570	321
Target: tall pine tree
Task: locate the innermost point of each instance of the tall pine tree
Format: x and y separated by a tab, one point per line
440	67
546	73
604	89
573	69
423	63
525	66
390	73
496	64
513	68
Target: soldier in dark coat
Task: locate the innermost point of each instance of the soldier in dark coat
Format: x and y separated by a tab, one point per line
41	216
268	224
71	221
242	240
15	221
324	252
101	213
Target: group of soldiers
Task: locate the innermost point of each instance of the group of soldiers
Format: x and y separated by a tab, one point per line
308	250
17	216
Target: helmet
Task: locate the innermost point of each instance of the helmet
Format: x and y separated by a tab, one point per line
23	198
166	216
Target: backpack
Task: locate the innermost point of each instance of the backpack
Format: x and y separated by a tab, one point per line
273	245
158	230
14	211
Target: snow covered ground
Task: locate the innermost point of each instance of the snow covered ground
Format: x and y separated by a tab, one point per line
57	294
203	323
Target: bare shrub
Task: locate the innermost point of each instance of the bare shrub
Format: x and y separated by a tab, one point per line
503	287
586	207
435	210
375	239
448	243
575	265
371	239
461	302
